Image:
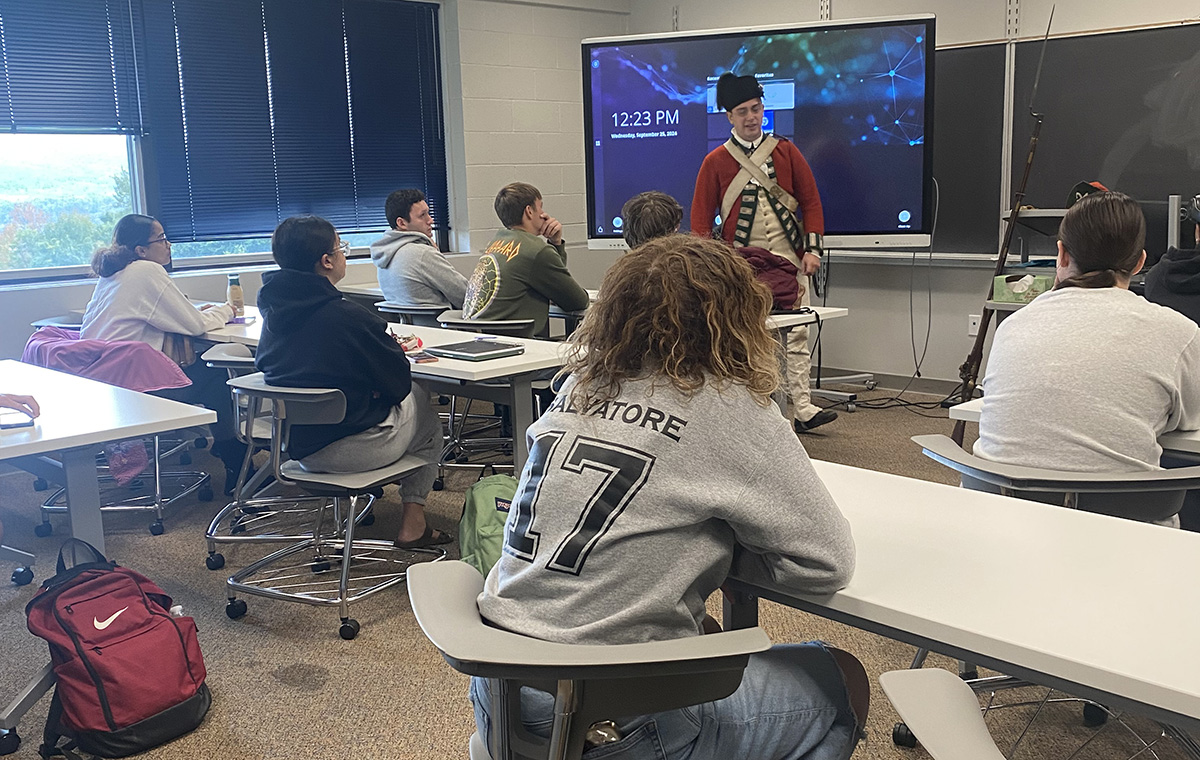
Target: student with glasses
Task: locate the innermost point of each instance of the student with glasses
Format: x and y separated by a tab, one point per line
312	337
136	299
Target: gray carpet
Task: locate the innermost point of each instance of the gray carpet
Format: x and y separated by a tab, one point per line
285	685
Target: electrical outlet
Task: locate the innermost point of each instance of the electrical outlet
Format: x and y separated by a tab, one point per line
973	321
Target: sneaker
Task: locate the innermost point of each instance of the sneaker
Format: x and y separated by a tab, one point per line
817	420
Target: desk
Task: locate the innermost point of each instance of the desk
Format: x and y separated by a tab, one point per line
1067	610
1183	444
457	377
77	416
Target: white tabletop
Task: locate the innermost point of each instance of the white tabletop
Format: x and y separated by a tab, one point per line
1094	600
777	321
80	412
539	354
361	289
1185	442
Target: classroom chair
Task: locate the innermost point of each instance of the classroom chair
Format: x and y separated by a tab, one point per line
426	316
590	683
463	444
326	568
257	514
136	366
942	712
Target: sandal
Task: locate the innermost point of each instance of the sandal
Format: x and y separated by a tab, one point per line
429	538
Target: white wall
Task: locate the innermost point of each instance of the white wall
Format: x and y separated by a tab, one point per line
522	105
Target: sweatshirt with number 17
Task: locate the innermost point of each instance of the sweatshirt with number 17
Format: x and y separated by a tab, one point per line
629	514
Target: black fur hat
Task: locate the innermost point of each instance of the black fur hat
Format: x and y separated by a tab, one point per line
733	90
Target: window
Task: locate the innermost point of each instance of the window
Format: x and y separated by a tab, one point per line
60	196
232	114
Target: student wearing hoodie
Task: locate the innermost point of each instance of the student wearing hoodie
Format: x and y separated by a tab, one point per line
312	337
412	271
1175	280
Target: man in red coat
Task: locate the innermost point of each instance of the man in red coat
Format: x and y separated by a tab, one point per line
764	192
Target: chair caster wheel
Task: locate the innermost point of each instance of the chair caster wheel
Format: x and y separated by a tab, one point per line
902	737
185	458
348	629
851	407
439	484
368	519
871	385
9	741
41	530
1094	716
214	561
443	400
205	494
235	609
156	528
320	566
200	443
237	527
40	484
22	576
969	675
462	459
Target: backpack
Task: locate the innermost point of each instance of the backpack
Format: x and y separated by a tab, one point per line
128	674
481	528
777	273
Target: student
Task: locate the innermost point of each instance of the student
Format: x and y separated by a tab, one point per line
314	338
666	428
136	299
649	215
1087	376
520	273
1175	280
412	271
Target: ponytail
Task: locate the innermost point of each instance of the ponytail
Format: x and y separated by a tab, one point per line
131	231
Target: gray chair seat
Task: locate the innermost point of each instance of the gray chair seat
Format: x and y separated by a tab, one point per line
454	319
590	682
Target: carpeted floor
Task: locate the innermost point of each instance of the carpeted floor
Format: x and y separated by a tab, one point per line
285	685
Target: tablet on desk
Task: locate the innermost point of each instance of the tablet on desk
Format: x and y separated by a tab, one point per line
477	350
12	418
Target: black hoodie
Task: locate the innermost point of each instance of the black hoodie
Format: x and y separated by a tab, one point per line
1175	282
314	338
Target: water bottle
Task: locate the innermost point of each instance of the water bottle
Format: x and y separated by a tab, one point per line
235	297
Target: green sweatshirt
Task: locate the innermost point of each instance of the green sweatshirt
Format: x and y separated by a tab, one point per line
517	277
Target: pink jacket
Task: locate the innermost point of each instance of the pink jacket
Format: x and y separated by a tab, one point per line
125	363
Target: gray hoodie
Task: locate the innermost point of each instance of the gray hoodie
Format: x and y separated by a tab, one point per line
414	273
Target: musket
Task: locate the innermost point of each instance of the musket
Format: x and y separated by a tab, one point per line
968	373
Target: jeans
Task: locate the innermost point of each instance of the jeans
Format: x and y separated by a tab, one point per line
792	705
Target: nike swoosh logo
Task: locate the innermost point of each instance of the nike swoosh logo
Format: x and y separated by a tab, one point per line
101	626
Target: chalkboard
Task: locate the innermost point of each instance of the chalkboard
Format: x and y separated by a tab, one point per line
968	147
1122	108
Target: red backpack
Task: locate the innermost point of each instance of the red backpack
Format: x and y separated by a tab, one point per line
129	675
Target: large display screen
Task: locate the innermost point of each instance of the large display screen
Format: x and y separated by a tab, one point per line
855	97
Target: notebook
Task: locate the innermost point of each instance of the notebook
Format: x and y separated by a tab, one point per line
477	350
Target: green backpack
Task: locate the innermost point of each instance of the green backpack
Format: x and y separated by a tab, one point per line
481	528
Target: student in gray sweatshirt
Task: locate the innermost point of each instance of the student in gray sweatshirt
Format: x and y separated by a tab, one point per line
1087	376
661	467
412	271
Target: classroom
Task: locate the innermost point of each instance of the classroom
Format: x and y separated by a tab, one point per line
909	513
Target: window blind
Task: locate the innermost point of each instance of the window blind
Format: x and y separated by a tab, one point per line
257	111
69	66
